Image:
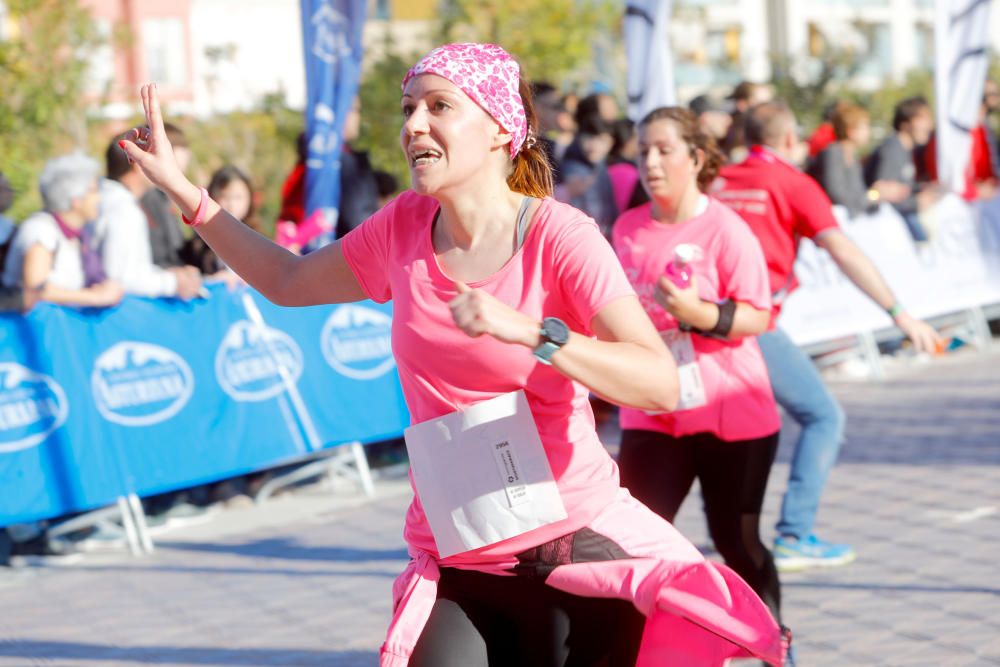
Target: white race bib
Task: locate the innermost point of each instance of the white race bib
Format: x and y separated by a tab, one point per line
692	387
482	474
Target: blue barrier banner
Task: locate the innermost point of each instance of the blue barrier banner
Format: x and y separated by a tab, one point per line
158	394
331	39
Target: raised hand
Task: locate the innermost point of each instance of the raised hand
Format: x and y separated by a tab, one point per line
149	147
476	313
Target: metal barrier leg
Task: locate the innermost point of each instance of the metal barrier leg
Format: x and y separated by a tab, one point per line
139	519
980	328
871	354
364	473
128	522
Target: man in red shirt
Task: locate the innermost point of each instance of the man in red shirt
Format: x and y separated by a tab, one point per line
781	205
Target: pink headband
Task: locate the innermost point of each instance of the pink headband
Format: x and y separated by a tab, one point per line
488	75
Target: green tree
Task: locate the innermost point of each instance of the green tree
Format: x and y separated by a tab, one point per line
261	142
43	73
552	39
380	113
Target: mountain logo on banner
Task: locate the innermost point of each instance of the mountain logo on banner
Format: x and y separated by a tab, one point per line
138	384
357	342
254	361
32	406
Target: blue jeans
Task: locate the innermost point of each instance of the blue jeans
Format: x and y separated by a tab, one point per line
917	232
799	389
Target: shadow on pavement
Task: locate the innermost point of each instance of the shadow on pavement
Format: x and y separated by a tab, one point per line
289	549
917	430
904	588
185	655
263	570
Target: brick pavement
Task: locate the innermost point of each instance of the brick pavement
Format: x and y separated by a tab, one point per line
305	579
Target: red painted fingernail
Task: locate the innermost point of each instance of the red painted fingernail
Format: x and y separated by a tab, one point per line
121	144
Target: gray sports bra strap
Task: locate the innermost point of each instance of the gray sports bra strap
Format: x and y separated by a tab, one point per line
522	221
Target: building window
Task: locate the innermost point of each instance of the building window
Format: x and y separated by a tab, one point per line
164	43
925	46
101	69
857	4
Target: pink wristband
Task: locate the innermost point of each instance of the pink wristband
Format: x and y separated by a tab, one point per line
199	215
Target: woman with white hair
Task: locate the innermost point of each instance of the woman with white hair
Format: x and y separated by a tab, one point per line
51	255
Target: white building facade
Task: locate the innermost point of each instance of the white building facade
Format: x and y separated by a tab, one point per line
720	42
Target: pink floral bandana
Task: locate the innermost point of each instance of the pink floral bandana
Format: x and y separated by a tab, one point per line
488	75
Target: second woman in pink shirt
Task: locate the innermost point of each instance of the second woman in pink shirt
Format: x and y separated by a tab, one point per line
724	432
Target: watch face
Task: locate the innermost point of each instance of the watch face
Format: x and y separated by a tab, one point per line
555	330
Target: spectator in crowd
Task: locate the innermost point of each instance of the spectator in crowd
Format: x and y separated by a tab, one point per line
122	232
982	173
890	170
991	104
53	251
744	96
781	205
293	190
166	237
555	124
233	189
599	104
837	168
824	135
13	297
725	430
586	183
621	163
388	187
714	118
358	187
358	192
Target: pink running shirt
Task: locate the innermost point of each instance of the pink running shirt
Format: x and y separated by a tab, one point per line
740	405
565	269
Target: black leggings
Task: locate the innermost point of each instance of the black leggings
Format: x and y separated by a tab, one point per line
658	469
482	620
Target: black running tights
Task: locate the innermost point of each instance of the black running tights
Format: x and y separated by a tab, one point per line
489	620
659	469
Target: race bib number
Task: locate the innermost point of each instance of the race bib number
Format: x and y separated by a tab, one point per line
692	386
482	474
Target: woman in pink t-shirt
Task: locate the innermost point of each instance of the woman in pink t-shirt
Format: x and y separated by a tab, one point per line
509	308
725	430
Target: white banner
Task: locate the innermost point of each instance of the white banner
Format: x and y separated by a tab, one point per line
960	269
650	80
961	47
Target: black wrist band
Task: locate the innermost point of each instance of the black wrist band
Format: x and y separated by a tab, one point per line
727	311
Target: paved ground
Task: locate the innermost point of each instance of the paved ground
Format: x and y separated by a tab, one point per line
305	579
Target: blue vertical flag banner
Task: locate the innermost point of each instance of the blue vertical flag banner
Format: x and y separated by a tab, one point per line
331	40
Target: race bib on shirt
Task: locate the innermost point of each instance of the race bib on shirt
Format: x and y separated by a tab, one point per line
482	474
692	386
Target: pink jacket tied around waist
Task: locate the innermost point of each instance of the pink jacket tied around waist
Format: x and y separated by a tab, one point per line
697	612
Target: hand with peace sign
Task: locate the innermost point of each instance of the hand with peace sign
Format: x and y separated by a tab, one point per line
284	278
149	147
